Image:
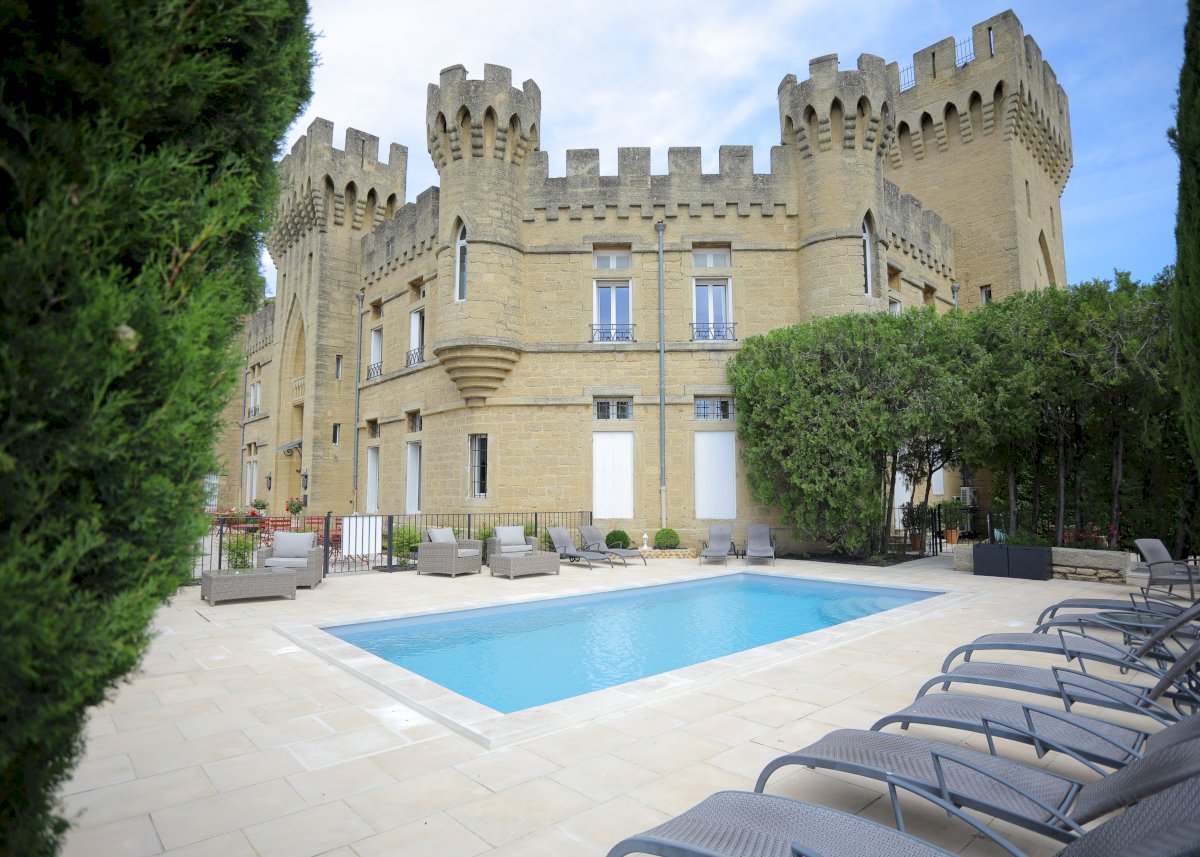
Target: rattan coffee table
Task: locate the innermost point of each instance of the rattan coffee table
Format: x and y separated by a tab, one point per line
519	565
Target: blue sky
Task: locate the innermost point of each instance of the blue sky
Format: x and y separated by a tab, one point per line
696	73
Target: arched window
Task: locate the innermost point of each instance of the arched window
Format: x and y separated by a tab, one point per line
868	256
460	264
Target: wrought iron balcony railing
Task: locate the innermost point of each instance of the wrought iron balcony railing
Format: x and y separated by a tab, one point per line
612	333
417	355
722	331
252	412
374	370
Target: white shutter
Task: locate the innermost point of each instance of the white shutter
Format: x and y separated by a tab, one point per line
716	475
939	482
612	474
372	479
413	494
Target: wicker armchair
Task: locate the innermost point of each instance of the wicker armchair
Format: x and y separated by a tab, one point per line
511	541
444	554
298	552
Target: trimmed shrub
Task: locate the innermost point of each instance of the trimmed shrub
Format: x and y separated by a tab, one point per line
666	539
483	534
239	550
618	539
138	149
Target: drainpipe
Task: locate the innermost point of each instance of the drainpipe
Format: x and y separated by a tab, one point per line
357	391
242	451
662	388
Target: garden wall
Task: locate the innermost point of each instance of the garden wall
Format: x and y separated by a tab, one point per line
1093	566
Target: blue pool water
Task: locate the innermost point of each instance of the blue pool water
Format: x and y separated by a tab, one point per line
518	656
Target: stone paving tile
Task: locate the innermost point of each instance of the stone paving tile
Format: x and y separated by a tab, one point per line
603	778
506	767
130	837
251	768
399	803
136	797
427	756
184	824
150	760
600	827
308	832
339	781
682	789
226	845
330	749
434	836
520	810
670	751
96	773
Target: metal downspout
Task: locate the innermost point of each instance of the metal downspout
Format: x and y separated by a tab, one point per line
242	451
662	389
357	391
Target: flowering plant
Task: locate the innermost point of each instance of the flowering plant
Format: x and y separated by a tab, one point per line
294	505
259	503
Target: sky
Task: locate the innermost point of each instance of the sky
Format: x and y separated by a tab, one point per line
704	73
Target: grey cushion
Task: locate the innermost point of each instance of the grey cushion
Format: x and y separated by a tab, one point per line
285	562
468	552
443	535
521	548
293	545
511	536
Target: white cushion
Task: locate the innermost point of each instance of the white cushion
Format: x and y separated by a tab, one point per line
516	548
285	562
293	545
443	535
511	535
462	552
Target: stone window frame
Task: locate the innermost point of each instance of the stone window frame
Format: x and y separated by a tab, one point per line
713	408
612	409
460	264
477	465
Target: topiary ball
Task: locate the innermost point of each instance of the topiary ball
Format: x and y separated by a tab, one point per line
666	539
618	539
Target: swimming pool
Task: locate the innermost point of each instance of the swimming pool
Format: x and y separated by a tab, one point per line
516	657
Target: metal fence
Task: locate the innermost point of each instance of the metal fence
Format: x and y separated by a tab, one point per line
356	543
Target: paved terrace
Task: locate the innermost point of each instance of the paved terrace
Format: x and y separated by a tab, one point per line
235	741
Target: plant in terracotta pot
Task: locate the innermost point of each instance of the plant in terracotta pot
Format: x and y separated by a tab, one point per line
952	519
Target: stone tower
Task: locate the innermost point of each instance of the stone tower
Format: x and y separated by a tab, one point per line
329	199
479	133
983	136
838	124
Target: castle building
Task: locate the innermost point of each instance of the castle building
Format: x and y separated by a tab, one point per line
525	342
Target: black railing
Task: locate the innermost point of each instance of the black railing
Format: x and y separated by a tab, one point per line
252	412
374	370
908	78
964	51
715	331
415	356
358	543
612	333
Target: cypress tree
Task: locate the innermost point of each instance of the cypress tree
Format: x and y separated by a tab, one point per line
1186	294
137	142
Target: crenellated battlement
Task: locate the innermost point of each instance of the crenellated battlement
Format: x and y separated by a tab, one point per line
411	233
836	110
635	192
323	186
994	81
915	231
486	118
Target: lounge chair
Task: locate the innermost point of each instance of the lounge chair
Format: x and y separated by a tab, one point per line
1042	801
1165	571
593	541
1073	644
759	544
565	545
1143	603
510	541
1074	686
1090	738
298	552
443	553
719	544
746	824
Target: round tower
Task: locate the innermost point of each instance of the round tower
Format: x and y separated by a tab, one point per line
479	132
838	124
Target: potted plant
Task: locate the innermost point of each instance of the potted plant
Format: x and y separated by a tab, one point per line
952	518
295	506
911	516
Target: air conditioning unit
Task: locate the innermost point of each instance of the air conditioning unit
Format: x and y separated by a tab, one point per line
968	496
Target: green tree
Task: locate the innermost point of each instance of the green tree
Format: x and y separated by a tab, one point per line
1186	294
136	173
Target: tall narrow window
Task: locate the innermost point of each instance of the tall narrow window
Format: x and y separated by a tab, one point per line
460	264
613	317
375	367
372	479
479	465
868	257
985	294
412	492
337	367
1028	201
337	434
712	311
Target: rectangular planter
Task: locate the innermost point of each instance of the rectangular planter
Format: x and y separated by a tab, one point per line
1029	563
990	560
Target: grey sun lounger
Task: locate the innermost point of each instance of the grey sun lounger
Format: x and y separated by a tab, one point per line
565	545
1039	800
758	543
1077	686
744	824
1073	644
1091	739
1165	571
593	541
1134	603
719	544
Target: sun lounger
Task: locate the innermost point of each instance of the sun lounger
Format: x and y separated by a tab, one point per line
759	544
565	545
1164	571
1134	603
719	544
1039	800
593	541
